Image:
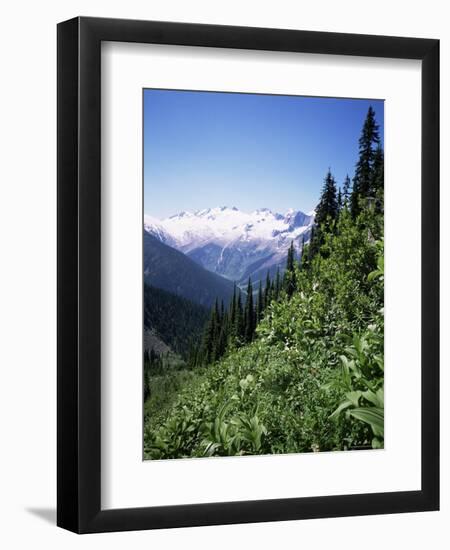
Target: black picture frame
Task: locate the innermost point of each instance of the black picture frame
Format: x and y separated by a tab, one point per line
79	280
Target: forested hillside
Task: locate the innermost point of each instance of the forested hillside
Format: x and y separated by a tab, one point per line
298	364
171	270
177	321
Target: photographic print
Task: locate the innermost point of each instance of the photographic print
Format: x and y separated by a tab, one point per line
263	274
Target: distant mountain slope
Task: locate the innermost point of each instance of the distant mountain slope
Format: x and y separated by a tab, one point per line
171	321
171	270
152	341
233	243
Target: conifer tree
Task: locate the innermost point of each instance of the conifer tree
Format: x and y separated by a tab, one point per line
362	180
326	215
277	285
208	337
260	303
339	200
290	282
301	250
232	308
146	385
249	314
239	319
223	336
327	209
217	331
313	247
290	257
267	291
378	178
346	191
193	356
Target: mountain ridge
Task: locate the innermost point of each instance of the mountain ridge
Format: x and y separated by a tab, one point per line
171	270
228	241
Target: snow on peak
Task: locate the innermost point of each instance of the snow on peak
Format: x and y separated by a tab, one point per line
229	241
150	221
154	226
223	225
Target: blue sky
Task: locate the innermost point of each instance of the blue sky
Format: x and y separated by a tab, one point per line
207	149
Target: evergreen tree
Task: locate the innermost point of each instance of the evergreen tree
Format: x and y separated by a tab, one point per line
267	291
326	215
327	209
339	201
290	282
290	257
362	182
223	336
146	385
232	307
249	314
277	285
301	250
210	339
378	178
216	331
313	247
194	356
239	319
260	303
346	191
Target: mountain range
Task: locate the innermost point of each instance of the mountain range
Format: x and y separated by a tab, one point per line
169	269
231	243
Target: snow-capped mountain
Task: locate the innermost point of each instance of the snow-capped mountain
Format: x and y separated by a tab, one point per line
155	227
233	243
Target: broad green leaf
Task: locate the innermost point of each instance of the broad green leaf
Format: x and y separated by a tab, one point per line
353	397
372	416
344	405
376	398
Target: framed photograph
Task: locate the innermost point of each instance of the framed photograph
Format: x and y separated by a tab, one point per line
248	275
